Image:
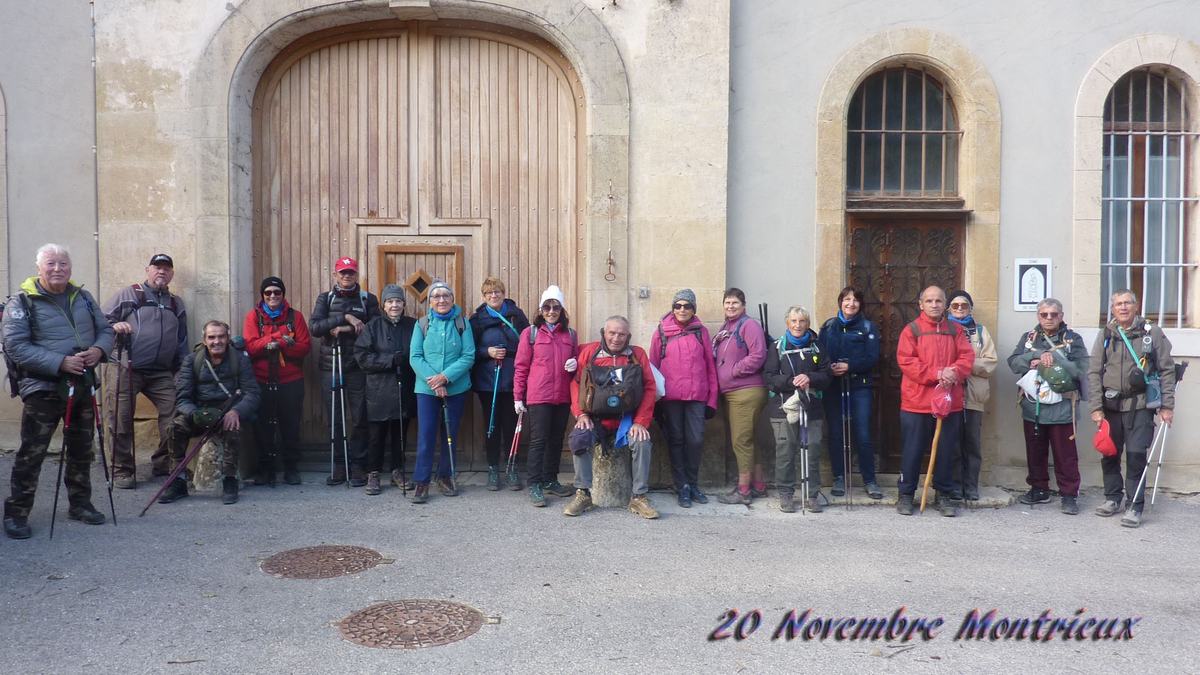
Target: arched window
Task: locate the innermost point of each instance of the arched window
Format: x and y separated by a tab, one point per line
1147	194
902	137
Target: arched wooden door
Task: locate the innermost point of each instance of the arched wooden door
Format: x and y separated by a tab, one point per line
425	150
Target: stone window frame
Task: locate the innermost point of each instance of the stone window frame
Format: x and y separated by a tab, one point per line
1183	58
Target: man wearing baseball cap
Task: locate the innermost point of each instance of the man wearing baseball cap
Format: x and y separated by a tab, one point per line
338	318
150	323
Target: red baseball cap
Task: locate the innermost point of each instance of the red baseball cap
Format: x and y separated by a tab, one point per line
1103	442
345	264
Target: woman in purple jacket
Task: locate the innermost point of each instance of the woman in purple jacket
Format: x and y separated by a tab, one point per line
680	351
741	349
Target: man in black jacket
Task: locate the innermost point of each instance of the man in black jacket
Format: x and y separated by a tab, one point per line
338	318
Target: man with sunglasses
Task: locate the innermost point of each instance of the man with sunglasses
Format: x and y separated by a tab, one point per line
1050	427
338	318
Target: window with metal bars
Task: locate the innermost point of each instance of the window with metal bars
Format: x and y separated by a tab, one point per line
902	137
1147	194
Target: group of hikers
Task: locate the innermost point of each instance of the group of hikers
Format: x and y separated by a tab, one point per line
383	369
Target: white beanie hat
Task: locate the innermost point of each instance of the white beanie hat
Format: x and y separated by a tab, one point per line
552	293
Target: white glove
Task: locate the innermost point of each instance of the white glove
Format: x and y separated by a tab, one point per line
570	365
519	407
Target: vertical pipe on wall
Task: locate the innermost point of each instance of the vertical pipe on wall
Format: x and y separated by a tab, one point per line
95	150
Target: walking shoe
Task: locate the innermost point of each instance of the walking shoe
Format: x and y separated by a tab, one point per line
736	496
86	514
229	491
873	490
698	496
1035	496
757	491
338	477
948	507
557	489
814	505
1069	505
358	477
493	479
264	477
640	504
373	487
1108	508
839	486
17	527
971	494
580	504
685	497
535	494
291	476
787	502
446	487
420	493
513	479
398	479
160	471
124	482
904	505
175	491
1132	518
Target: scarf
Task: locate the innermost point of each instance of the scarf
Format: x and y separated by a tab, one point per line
797	342
267	310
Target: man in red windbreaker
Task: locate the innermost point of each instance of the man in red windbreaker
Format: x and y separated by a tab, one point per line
631	428
935	358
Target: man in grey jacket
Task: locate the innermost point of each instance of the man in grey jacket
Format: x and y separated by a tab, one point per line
151	326
215	387
55	335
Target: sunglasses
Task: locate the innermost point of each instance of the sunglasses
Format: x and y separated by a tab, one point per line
550	307
684	305
440	297
960	305
272	293
348	273
1049	315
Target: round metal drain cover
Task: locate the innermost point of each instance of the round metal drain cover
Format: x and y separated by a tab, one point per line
411	624
321	562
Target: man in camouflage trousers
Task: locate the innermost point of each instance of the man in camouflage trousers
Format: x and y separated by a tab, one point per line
54	334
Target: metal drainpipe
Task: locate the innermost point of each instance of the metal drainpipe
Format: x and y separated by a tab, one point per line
95	149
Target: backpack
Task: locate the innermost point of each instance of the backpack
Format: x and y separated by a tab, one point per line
1056	377
289	320
15	372
362	300
737	334
231	352
918	333
611	391
533	331
459	322
140	292
663	339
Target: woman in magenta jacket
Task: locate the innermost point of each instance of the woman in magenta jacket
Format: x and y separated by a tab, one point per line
680	350
542	388
741	349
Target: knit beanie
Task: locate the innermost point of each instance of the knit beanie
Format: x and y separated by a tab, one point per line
391	291
269	282
687	295
961	294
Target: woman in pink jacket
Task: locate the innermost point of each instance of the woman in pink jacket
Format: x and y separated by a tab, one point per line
741	349
680	350
542	387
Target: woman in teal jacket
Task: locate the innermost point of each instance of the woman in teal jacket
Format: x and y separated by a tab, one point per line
441	354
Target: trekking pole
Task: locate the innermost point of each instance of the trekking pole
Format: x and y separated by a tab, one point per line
195	450
847	428
449	438
62	458
495	390
273	421
403	431
512	450
100	439
803	462
332	413
341	367
1163	430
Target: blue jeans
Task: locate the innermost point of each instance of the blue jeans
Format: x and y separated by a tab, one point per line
431	433
860	429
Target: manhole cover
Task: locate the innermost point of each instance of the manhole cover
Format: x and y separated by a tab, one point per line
321	562
411	624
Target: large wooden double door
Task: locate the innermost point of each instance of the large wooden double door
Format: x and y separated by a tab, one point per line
426	150
892	259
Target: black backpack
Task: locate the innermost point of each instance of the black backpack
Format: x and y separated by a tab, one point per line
15	372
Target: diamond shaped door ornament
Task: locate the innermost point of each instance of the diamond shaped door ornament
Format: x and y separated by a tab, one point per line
418	284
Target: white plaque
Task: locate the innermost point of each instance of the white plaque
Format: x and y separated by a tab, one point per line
1031	283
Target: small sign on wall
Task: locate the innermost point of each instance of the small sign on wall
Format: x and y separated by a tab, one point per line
1031	283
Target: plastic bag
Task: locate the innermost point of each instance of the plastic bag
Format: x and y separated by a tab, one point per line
943	399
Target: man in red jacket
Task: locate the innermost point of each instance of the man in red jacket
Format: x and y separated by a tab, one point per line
935	358
632	428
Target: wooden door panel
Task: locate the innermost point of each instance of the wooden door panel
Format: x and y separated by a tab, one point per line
415	267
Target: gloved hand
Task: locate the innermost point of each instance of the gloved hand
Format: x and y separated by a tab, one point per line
205	417
570	365
272	346
709	412
289	340
519	407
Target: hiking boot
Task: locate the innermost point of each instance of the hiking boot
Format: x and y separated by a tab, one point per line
873	490
1108	508
1132	518
493	484
814	505
446	487
86	514
758	492
175	491
160	471
229	490
398	479
420	493
787	502
535	494
17	527
736	496
338	477
358	477
580	504
513	479
685	497
640	504
839	486
698	496
1035	496
124	482
1069	505
291	476
557	489
373	487
904	505
948	507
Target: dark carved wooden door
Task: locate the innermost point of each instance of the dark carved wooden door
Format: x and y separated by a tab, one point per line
892	259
